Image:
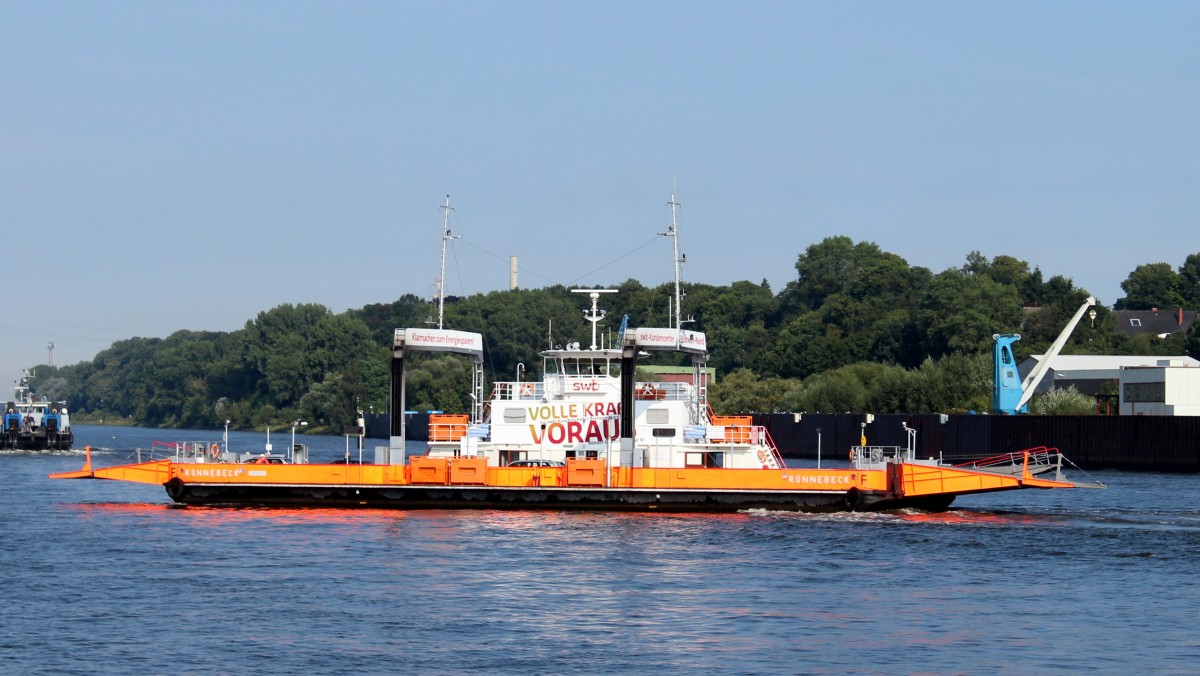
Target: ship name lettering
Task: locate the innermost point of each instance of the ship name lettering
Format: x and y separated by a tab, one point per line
576	431
823	479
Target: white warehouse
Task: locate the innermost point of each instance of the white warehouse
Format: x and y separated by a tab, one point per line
1172	387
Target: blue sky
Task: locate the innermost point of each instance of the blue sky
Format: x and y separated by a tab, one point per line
185	165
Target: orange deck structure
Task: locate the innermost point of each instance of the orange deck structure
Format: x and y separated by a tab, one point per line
579	484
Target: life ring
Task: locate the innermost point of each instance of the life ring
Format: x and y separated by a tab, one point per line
762	455
214	450
526	389
852	455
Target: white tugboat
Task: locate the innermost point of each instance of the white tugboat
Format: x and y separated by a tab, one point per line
33	423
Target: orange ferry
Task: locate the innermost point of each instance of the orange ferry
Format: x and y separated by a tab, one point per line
586	436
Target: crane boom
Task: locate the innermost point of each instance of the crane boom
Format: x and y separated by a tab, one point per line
1005	384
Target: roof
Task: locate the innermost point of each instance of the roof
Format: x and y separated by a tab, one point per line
680	373
1153	322
673	369
1099	366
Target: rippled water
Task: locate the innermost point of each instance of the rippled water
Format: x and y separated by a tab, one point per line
108	577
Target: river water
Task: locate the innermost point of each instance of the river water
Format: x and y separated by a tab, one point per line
104	577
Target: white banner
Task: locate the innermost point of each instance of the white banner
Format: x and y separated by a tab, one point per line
688	341
440	340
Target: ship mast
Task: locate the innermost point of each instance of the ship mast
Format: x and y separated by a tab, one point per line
678	259
446	236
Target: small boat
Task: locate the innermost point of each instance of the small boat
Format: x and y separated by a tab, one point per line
33	423
586	435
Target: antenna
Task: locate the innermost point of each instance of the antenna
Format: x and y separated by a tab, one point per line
595	314
50	348
442	275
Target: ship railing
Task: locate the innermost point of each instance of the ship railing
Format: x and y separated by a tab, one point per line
874	457
180	451
663	391
1036	460
448	426
760	435
733	433
561	385
511	391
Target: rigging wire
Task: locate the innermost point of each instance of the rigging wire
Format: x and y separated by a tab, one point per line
526	270
615	260
504	260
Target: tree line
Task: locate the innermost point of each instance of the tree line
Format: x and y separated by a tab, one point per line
858	329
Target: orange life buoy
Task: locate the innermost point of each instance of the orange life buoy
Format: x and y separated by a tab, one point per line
215	450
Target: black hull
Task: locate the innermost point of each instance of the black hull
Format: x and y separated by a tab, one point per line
574	499
60	441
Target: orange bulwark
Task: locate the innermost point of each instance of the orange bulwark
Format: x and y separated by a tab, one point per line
737	427
447	427
581	484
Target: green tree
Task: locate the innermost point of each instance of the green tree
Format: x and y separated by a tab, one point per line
955	383
438	382
743	391
806	345
1189	282
962	312
1004	270
382	319
1064	401
1153	285
848	389
1191	343
834	265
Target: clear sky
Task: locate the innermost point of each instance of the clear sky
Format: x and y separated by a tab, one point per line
186	165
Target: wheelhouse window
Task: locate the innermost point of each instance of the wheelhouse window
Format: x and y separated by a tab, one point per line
704	459
582	367
508	457
586	454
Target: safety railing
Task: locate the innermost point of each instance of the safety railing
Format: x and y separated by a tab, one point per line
180	451
1034	460
867	456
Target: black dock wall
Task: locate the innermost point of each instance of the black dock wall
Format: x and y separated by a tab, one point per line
1143	443
1154	443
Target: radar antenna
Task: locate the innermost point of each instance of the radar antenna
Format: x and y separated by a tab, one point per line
595	314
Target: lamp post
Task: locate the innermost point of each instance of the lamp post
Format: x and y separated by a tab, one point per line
292	450
1092	316
818	448
226	436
